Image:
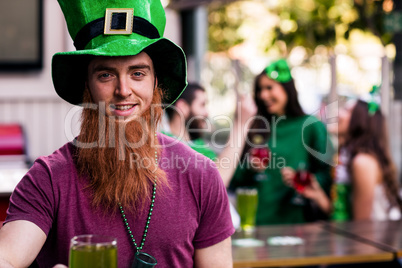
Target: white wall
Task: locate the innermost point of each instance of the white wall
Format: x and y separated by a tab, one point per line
29	98
34	84
173	29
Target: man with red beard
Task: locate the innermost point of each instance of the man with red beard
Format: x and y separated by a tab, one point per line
119	177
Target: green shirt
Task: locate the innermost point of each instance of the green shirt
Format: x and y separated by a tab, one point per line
341	191
292	141
342	207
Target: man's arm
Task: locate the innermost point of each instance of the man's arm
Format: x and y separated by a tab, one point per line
218	255
20	243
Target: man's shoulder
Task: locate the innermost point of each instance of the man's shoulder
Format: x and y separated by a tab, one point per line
175	151
53	169
173	145
60	157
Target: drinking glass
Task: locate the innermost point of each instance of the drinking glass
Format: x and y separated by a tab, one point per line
262	153
95	251
301	180
247	202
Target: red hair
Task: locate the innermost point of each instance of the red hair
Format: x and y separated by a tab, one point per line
113	175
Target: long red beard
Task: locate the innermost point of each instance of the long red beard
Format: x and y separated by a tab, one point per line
121	162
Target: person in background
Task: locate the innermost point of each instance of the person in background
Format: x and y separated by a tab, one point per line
188	122
295	140
118	177
187	119
366	185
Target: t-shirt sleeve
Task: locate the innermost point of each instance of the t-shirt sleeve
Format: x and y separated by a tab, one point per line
32	199
321	154
215	219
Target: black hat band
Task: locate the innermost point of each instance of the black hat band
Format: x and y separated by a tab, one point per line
95	28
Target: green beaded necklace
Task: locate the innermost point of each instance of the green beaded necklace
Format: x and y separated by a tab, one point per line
146	226
138	248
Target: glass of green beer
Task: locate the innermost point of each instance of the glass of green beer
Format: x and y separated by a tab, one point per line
95	251
247	202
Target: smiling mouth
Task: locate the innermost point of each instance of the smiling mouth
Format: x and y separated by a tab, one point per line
122	107
268	104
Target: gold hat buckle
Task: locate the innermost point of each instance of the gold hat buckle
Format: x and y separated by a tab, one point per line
109	18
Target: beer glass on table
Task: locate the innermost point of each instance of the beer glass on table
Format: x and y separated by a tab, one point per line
247	202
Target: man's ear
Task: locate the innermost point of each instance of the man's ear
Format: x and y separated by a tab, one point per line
155	82
86	88
87	97
182	107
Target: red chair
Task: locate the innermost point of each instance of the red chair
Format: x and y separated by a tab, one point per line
12	140
13	154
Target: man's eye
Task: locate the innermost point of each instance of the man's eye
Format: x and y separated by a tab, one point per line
106	75
137	74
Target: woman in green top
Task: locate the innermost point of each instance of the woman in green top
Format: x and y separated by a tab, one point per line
294	139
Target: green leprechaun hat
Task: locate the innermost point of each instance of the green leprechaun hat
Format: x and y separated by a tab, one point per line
279	71
117	28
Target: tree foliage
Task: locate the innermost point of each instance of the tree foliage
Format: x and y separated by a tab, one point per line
371	18
224	21
307	23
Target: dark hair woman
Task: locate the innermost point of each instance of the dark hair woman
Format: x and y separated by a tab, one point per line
294	139
366	179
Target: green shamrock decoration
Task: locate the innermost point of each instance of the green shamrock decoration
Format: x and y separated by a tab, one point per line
279	71
373	104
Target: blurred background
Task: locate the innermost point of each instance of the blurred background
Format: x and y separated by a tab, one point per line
336	49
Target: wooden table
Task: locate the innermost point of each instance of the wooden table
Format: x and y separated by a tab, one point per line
386	235
320	246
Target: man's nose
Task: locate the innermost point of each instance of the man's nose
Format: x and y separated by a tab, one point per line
123	88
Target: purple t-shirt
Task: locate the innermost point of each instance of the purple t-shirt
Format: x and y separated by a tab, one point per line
192	214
